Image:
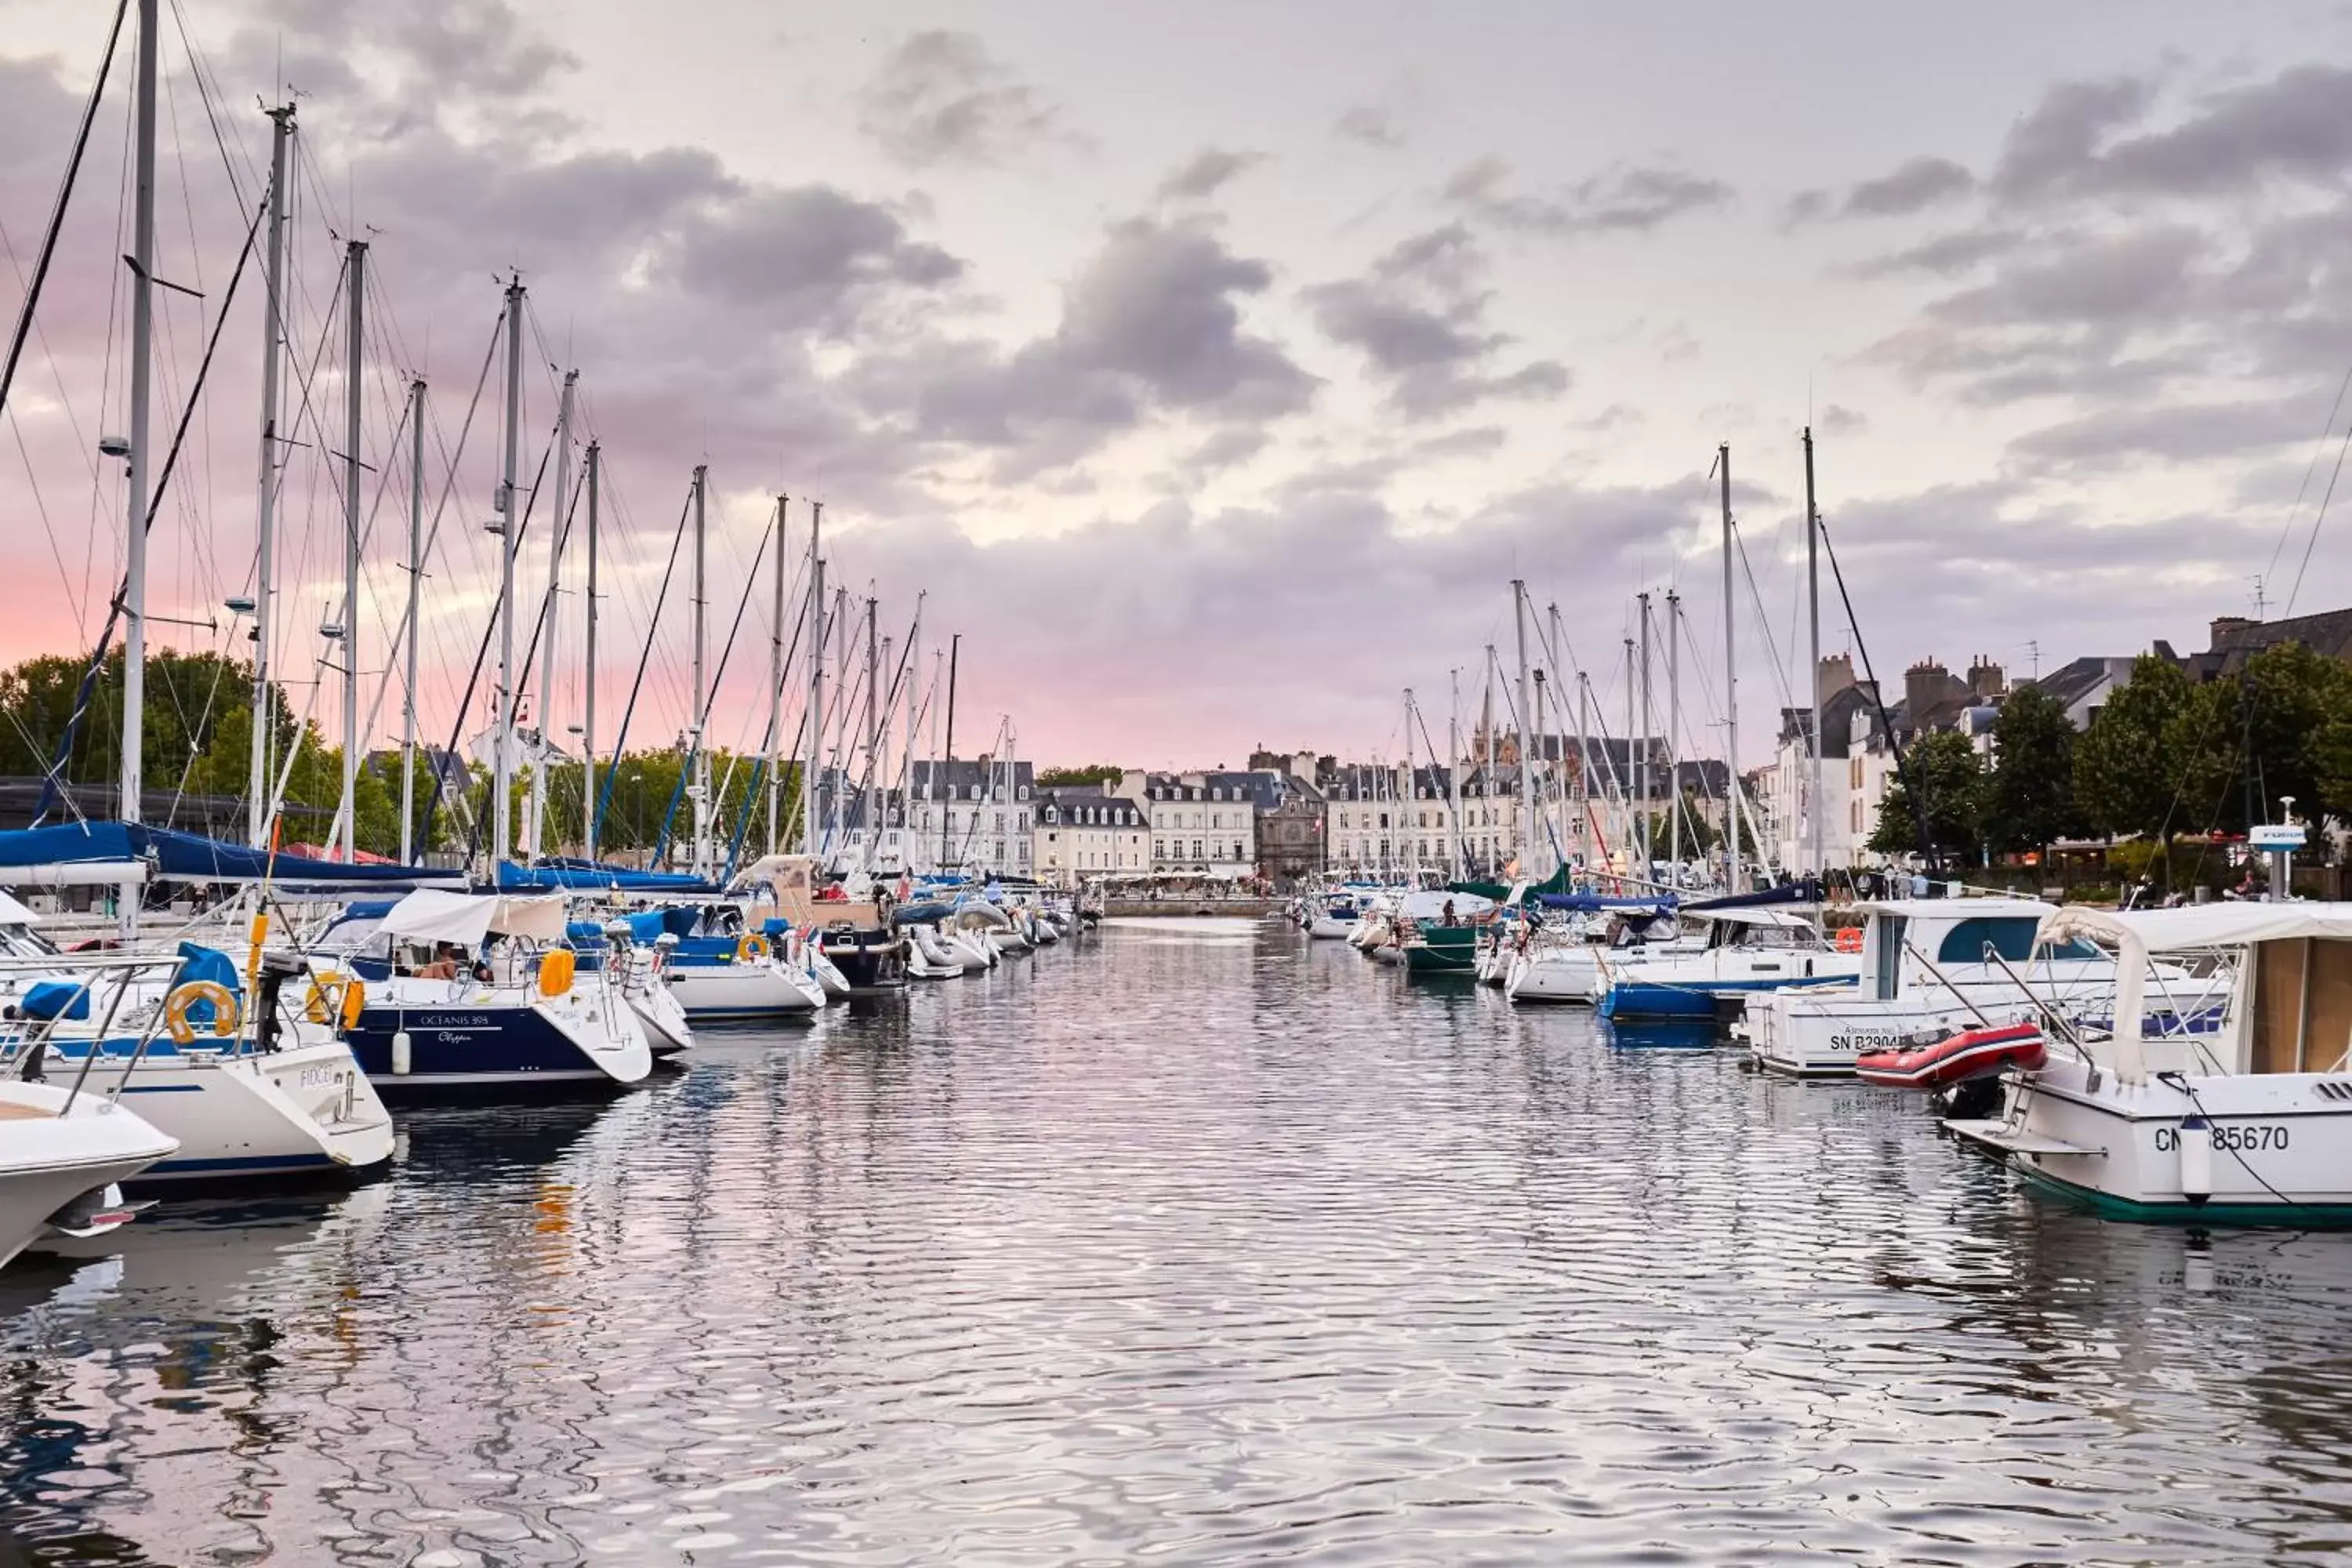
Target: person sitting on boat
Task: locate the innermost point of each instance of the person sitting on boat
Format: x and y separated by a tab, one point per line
1447	918
444	965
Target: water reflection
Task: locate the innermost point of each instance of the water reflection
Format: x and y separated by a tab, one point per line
1194	1241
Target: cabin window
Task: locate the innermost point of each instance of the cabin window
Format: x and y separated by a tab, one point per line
1889	969
1966	943
2302	1005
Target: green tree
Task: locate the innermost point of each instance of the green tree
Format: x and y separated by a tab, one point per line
1943	767
2029	799
2129	765
1079	778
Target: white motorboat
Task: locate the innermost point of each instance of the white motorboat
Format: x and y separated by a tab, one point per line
2242	1115
1932	967
1747	952
63	1148
1561	962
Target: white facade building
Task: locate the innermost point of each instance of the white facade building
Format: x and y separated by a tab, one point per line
1203	824
1077	833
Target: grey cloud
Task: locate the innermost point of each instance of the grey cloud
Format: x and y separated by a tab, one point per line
2100	277
1621	201
2291	127
1205	173
940	96
1374	125
2048	149
1839	420
1945	253
807	256
1419	317
1910	187
2176	433
1149	325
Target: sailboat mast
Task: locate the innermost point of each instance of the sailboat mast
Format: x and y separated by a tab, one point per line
947	792
816	723
143	328
1412	788
1813	670
1632	824
273	331
1454	770
1527	740
776	685
355	350
588	673
1673	721
509	531
416	630
1730	674
873	735
559	526
1642	758
1487	723
906	780
1584	760
700	717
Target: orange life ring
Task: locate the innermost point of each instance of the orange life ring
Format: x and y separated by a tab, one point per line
1849	939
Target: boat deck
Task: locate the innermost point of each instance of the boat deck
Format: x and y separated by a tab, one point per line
10	1110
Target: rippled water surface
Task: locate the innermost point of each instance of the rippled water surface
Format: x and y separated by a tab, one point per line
1188	1244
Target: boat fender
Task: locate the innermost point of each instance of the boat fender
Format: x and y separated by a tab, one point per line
402	1055
556	967
183	998
334	997
2196	1141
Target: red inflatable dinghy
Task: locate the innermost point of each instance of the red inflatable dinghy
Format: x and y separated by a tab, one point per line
1972	1053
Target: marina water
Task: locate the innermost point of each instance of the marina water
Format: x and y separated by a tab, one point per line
1188	1242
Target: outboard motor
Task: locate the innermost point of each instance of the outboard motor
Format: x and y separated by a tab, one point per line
277	969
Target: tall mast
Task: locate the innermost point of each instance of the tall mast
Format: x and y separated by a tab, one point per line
1454	770
877	788
1730	674
1624	791
273	332
588	691
1526	742
1641	757
1813	616
142	327
1487	723
776	686
1584	760
1411	789
559	526
510	532
946	791
700	716
1559	709
906	784
815	722
415	629
872	736
1673	721
346	812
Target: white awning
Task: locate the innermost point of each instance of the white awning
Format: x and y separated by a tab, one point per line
2200	927
430	914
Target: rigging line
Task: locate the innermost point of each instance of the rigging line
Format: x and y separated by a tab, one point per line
208	90
163	484
2311	470
718	678
628	709
1902	775
2316	519
1763	620
58	208
481	653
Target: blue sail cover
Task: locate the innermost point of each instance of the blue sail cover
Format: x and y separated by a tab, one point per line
1806	892
169	855
593	877
1593	903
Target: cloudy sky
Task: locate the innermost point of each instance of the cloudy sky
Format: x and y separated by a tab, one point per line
1214	369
